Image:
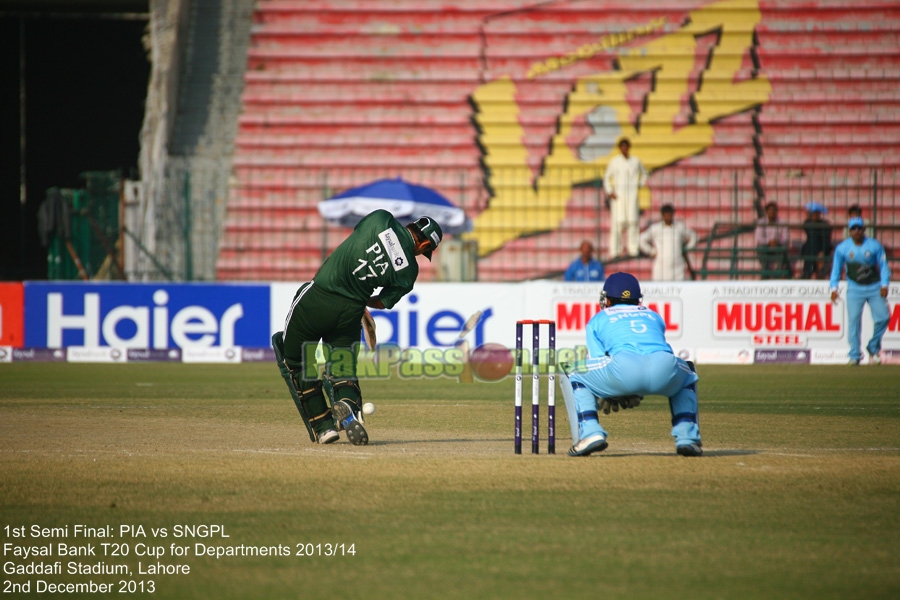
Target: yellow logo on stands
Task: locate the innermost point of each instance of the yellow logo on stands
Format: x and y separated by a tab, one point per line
522	204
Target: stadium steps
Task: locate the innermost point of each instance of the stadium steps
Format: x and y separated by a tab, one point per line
340	93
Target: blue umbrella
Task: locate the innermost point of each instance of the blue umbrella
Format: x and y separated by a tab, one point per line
406	201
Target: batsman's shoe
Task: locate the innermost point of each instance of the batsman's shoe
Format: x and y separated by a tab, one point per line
589	445
694	449
874	359
346	420
328	436
854	362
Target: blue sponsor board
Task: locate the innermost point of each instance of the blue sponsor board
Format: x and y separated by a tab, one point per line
257	355
890	357
441	327
150	355
146	315
795	357
38	355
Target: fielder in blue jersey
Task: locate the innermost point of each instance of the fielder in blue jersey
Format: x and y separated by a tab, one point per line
868	280
629	359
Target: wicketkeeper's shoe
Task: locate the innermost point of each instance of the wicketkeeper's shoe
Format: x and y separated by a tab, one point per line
589	445
346	420
854	362
690	449
328	436
874	359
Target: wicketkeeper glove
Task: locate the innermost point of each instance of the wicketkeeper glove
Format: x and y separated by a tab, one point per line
623	402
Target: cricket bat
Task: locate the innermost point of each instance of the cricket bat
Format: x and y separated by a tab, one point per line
463	345
368	324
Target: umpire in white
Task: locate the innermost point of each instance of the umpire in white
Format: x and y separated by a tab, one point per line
625	175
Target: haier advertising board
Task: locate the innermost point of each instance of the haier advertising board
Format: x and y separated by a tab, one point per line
146	315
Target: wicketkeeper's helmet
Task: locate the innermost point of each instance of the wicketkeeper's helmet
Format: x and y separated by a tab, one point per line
623	287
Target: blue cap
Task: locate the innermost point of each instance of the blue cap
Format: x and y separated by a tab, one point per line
856	222
622	285
816	207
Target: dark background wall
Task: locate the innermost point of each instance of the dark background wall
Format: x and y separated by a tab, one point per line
86	81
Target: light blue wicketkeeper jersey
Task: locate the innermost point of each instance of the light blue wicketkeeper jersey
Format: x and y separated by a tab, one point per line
626	328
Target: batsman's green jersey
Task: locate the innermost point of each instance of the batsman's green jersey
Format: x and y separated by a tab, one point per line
379	253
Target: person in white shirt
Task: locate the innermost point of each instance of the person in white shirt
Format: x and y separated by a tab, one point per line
624	176
772	241
666	242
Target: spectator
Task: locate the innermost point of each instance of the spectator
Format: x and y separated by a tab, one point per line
666	241
868	280
585	267
624	175
817	247
772	239
855	211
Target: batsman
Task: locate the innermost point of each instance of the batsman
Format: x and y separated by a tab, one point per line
629	359
333	308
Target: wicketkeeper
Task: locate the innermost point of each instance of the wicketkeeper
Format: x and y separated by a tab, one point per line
629	359
380	253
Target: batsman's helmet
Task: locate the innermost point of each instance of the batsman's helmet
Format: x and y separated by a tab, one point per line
623	287
430	230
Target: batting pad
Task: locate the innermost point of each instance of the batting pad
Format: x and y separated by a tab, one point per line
568	394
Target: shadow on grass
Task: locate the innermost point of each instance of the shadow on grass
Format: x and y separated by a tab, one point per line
560	448
706	453
438	441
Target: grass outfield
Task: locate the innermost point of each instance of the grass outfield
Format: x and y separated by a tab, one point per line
796	496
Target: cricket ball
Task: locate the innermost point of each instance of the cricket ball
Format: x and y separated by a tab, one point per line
491	362
368	408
